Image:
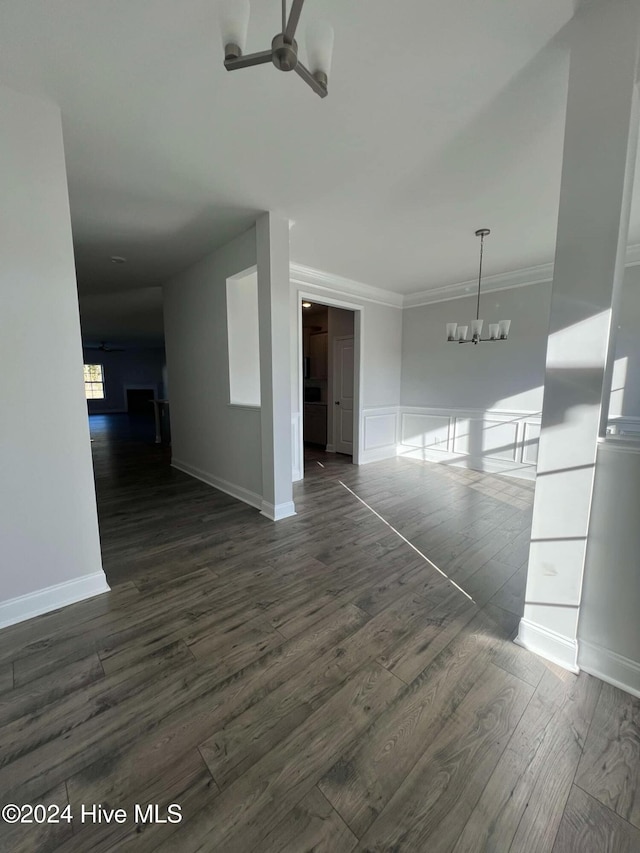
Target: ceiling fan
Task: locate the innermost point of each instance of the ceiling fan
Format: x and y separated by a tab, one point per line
284	48
103	347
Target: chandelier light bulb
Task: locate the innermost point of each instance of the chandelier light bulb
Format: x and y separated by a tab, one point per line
451	331
319	40
493	331
462	333
504	326
234	25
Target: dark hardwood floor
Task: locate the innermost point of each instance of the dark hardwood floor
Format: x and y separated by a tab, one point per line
343	680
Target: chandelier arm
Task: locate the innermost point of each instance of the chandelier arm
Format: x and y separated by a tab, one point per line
310	80
292	23
479	341
250	59
284	15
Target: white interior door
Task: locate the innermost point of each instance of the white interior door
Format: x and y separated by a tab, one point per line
343	385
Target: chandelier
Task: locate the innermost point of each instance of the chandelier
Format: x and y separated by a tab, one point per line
497	331
284	48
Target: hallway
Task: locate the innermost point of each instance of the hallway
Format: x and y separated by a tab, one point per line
312	684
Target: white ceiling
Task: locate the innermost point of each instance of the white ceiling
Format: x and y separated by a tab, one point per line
442	117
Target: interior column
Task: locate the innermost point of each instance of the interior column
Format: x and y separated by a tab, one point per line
599	156
272	245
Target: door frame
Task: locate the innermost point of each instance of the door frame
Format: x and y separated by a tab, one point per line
308	294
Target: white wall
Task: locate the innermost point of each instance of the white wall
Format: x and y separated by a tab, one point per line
381	355
210	438
48	520
139	368
504	375
609	638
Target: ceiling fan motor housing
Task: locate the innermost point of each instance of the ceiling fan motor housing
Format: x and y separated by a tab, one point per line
284	53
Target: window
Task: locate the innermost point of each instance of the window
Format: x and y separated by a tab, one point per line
93	382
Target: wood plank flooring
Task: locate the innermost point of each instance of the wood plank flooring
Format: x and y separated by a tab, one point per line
312	685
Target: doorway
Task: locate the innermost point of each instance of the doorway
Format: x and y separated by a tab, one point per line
343	387
329	386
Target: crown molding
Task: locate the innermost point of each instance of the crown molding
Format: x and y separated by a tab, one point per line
490	284
539	274
301	274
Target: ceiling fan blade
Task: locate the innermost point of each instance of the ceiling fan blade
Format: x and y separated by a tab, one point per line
292	23
248	60
310	80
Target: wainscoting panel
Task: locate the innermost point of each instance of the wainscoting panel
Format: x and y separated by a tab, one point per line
380	430
486	437
492	441
530	443
418	430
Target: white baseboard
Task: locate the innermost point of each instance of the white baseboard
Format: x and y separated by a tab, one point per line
52	598
548	644
238	492
610	667
276	512
377	454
